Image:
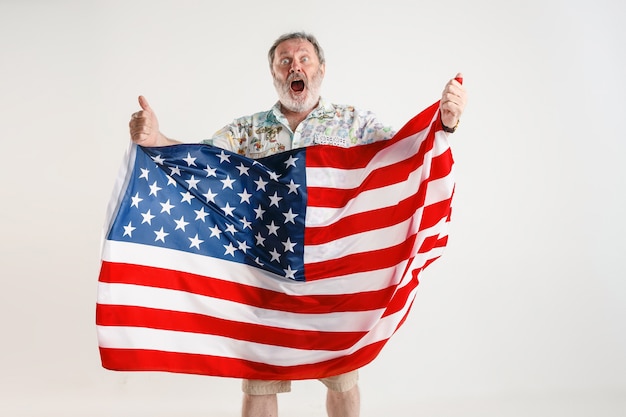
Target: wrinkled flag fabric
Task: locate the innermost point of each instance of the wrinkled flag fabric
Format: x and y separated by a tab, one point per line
300	265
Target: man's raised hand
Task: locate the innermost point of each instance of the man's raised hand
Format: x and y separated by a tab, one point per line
144	127
453	100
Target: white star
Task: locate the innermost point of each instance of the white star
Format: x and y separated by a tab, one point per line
289	245
181	223
275	255
175	170
128	229
246	224
230	228
291	161
274	199
210	172
273	229
215	231
260	240
147	217
293	187
190	162
228	210
136	200
210	196
274	176
245	196
144	173
228	183
260	184
195	242
258	261
160	235
193	182
158	159
166	207
201	214
243	170
290	216
243	246
154	189
230	249
259	212
171	181
290	273
223	157
186	197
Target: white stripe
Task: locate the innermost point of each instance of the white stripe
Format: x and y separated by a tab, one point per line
194	343
137	254
175	300
439	190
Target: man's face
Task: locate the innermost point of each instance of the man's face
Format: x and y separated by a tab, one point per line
297	74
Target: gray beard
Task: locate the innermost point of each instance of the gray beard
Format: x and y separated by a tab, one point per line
300	104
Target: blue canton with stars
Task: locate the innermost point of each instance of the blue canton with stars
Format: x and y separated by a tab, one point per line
202	199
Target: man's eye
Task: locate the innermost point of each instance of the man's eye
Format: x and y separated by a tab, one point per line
284	61
305	59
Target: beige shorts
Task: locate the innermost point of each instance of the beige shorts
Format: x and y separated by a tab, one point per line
340	383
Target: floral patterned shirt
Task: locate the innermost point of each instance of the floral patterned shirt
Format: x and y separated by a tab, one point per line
266	133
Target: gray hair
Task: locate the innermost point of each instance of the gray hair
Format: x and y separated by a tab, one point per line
296	35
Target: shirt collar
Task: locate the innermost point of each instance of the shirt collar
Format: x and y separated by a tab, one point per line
323	110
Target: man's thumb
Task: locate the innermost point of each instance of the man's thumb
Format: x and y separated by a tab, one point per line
144	104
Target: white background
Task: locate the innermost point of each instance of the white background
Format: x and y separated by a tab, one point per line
524	315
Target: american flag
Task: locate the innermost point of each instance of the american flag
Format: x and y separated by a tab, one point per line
300	265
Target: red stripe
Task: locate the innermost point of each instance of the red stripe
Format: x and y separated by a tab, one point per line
360	262
244	294
366	221
152	360
131	316
401	298
434	213
441	165
349	158
381	177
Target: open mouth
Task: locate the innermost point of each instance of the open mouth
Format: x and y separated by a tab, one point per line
297	86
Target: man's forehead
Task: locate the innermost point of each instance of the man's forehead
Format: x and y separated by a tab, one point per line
294	45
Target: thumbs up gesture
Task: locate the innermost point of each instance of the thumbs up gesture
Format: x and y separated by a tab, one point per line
144	127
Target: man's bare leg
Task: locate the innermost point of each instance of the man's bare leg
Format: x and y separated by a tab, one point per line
259	405
343	404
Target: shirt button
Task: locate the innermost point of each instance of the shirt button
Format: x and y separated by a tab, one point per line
295	140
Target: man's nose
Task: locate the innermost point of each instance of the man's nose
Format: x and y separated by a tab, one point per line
295	67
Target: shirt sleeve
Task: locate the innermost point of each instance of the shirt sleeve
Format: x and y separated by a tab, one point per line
223	139
226	138
368	129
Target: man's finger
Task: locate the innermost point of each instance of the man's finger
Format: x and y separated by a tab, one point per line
144	103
